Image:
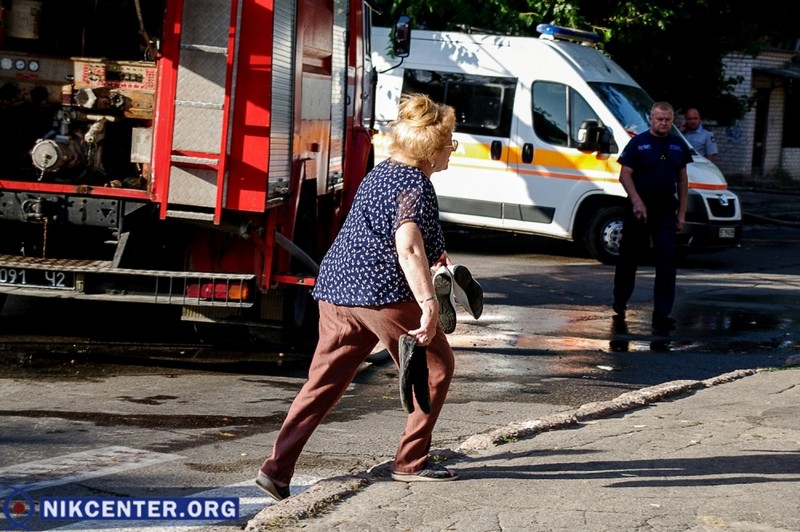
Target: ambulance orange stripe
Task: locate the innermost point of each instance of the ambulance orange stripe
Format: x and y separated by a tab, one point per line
548	158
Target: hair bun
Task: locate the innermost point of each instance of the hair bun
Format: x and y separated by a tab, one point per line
418	110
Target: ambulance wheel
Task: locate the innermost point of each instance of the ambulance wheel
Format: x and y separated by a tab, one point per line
604	234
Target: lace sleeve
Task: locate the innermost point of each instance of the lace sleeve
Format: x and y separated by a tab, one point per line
408	206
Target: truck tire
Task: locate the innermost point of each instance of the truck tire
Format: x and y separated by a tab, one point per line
300	310
221	334
604	233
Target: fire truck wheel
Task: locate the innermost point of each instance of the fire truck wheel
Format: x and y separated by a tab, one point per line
300	319
300	312
221	334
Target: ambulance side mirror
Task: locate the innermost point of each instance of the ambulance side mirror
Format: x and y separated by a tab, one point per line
401	37
592	136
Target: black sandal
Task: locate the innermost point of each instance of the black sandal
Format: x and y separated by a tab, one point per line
268	486
431	473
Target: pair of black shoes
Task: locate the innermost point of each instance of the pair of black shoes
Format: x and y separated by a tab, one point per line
455	284
413	375
663	323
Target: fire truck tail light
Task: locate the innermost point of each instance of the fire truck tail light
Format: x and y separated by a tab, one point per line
219	291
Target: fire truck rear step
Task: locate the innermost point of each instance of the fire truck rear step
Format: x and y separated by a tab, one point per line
71	278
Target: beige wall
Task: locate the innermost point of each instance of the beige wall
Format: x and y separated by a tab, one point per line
735	142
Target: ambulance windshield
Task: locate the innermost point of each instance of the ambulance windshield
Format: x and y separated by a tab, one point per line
629	105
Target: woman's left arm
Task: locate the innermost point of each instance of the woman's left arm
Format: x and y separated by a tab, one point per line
414	263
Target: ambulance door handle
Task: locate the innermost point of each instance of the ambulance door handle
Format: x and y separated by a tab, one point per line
496	150
527	152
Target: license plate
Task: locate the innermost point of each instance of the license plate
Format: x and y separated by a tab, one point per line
727	232
37	278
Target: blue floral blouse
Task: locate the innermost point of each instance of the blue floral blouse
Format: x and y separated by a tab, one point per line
362	267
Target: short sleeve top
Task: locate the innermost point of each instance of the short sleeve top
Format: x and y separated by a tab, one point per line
362	267
702	140
656	163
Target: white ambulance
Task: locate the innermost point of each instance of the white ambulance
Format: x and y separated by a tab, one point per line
540	123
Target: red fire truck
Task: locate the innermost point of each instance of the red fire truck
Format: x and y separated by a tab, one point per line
194	153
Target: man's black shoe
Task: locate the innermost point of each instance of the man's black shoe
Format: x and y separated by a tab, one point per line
663	323
619	311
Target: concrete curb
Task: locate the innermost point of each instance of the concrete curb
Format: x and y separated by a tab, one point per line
328	492
623	403
317	498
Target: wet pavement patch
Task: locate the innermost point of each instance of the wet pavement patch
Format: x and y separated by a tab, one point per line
151	421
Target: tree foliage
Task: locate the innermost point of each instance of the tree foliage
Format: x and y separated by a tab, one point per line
673	48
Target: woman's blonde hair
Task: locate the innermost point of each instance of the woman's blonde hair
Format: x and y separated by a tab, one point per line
422	128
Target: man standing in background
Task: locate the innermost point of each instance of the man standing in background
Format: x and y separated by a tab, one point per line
701	139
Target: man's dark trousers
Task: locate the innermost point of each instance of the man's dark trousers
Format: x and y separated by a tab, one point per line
634	248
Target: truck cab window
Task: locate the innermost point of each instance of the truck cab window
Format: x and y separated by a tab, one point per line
558	112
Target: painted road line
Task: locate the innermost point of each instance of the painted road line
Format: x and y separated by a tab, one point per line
76	467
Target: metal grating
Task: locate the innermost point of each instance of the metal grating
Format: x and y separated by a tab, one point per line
199	98
341	15
280	152
201	193
339	97
103	281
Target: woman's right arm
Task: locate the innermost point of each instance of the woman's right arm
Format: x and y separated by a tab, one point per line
414	263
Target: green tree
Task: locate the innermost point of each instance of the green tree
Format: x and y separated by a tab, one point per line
674	49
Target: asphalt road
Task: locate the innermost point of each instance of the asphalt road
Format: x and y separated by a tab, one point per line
85	420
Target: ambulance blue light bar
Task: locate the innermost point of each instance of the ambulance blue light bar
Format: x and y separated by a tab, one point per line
551	31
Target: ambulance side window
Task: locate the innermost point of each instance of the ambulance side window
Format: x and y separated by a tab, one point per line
558	111
483	104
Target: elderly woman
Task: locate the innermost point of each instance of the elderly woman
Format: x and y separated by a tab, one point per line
375	285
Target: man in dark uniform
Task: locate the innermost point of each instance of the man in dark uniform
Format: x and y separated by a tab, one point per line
654	176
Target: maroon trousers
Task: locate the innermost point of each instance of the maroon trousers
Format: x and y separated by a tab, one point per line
347	335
